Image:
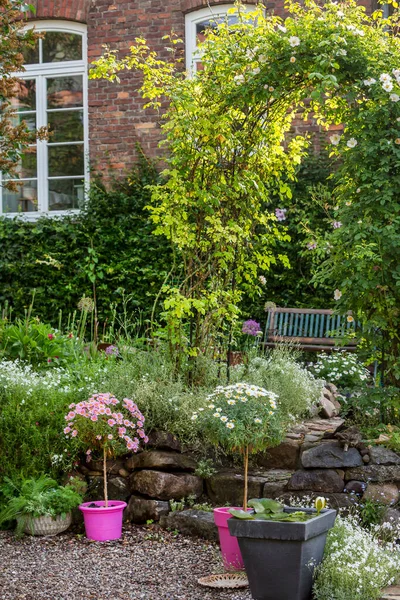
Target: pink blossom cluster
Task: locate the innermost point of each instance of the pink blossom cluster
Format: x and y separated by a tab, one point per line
101	411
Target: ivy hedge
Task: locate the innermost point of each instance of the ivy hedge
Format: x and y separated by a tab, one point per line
111	242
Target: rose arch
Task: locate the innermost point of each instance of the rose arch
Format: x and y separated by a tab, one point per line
228	151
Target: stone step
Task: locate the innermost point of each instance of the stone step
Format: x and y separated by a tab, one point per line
391	593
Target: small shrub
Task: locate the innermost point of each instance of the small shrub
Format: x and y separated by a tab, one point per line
205	468
356	565
344	370
280	373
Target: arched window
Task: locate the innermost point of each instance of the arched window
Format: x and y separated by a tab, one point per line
195	25
53	93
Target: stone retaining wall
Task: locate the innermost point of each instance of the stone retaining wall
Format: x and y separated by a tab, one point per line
311	461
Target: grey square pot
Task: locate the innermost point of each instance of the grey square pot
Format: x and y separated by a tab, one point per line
280	558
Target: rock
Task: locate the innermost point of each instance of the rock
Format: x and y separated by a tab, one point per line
326	393
284	456
273	490
163	441
355	487
312	439
363	450
374	473
385	493
118	488
332	388
160	460
329	455
327	409
113	466
391	593
328	427
383	456
318	480
340	472
141	510
366	459
392	515
227	488
166	486
198	523
123	473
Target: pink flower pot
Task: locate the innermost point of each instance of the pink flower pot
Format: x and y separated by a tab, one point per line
231	555
101	523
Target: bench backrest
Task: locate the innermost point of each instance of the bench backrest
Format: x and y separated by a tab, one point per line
307	325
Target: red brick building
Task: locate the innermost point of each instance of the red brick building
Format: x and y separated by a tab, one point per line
94	122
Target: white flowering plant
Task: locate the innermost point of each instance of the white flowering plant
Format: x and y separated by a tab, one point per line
340	368
357	564
241	418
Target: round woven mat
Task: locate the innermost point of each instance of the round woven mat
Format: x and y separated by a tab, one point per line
225	580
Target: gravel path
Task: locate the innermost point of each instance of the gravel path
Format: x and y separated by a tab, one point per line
146	563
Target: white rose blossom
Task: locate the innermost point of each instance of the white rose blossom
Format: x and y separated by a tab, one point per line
294	41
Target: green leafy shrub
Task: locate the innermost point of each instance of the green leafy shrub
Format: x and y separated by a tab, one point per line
55	256
280	373
41	497
356	565
36	343
373	407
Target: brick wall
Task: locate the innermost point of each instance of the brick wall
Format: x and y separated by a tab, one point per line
117	121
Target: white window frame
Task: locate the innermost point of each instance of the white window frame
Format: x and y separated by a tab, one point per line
40	72
191	21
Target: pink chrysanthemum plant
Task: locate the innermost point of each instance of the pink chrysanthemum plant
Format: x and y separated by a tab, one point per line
106	424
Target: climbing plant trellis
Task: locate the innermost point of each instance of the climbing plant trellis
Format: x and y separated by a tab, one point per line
228	152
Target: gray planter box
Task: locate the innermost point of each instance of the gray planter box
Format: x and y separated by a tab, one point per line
280	558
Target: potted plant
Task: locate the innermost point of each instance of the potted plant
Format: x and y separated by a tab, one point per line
105	424
239	418
40	506
281	547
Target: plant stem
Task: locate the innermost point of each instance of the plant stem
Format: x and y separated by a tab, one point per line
246	469
105	476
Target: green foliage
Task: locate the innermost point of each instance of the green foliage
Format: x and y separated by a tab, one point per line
240	416
371	407
370	512
41	497
205	468
266	509
110	243
37	344
32	406
340	368
279	372
14	42
351	555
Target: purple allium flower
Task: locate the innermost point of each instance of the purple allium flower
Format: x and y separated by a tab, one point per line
251	327
311	245
112	351
336	224
280	213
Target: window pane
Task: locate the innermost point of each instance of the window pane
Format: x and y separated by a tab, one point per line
66	160
25	200
66	194
212	23
29	118
31	54
65	126
25	98
65	92
59	46
27	164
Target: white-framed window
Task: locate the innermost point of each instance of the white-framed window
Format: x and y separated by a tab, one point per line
52	93
195	25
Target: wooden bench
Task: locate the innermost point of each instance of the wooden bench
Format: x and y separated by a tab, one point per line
311	329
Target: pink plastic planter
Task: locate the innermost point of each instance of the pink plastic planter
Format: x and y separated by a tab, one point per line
103	524
229	545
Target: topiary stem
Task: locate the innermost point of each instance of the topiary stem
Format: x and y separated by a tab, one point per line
246	470
105	476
